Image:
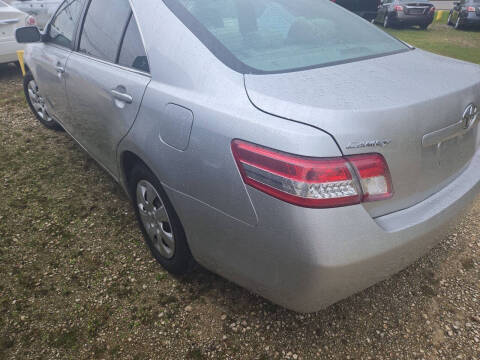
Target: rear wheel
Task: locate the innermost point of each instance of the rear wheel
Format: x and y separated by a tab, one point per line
36	102
159	222
424	26
386	22
458	24
449	21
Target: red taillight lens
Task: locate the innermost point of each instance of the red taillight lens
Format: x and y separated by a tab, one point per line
471	9
313	182
432	9
398	8
30	21
374	176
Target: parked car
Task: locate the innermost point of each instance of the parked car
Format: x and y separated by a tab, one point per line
269	140
405	13
364	8
42	10
10	20
465	13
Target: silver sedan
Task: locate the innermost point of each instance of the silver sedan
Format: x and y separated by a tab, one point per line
290	146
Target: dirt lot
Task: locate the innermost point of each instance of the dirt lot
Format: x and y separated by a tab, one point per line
77	282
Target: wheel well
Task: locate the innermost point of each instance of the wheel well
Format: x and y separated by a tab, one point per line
128	161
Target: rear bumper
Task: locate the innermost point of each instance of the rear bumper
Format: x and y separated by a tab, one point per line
307	259
402	18
472	19
8	51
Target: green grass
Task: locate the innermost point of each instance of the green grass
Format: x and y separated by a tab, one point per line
444	40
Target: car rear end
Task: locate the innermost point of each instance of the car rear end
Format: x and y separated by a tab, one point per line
430	148
413	13
392	163
471	15
10	20
41	10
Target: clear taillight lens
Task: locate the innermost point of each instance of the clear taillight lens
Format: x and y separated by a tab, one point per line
313	182
30	21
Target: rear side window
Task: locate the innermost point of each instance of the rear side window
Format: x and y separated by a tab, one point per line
132	53
103	28
62	28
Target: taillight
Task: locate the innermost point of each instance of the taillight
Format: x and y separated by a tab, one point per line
30	21
471	9
432	9
313	182
398	8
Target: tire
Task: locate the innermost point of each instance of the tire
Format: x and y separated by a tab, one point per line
424	26
449	21
386	22
160	225
37	103
458	24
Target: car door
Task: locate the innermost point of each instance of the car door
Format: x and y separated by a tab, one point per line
107	77
51	55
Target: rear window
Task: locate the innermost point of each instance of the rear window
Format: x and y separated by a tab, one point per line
268	36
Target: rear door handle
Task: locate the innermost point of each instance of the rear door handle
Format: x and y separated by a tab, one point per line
60	69
122	96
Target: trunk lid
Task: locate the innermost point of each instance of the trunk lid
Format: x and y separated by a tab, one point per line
417	8
10	19
398	105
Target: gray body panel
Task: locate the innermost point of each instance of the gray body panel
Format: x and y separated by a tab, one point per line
49	60
366	104
99	120
303	259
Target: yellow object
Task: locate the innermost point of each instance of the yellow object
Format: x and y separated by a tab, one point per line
20	60
439	14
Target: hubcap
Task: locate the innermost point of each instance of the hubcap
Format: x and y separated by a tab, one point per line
37	101
155	220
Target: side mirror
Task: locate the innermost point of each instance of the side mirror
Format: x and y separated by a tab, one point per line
28	34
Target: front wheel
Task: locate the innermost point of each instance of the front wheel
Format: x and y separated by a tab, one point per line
36	102
160	225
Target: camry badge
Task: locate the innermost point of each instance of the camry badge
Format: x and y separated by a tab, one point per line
369	144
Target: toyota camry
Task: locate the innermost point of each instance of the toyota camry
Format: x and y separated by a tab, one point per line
289	146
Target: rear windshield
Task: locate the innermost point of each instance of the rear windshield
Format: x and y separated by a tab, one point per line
269	36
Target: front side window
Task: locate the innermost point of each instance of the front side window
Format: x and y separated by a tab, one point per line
132	53
62	28
264	36
103	28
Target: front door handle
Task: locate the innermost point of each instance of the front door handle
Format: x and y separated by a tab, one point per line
122	96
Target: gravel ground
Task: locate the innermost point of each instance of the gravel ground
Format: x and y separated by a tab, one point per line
77	282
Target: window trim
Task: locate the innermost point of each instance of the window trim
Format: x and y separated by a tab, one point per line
80	26
75	30
222	53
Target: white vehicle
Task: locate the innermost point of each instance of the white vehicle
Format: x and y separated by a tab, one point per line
42	10
10	20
